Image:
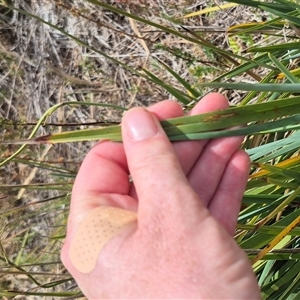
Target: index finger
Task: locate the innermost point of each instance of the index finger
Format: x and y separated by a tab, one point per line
103	175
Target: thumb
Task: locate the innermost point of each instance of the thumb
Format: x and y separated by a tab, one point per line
160	183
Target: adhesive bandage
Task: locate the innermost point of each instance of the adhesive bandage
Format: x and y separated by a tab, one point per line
98	227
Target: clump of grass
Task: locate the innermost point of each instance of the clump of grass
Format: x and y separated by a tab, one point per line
88	78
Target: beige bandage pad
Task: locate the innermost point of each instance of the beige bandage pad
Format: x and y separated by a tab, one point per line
98	227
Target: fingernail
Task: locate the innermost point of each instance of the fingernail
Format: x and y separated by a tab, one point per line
139	124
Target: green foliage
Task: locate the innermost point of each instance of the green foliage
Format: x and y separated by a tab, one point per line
269	72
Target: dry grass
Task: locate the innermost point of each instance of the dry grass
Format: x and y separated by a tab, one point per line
40	67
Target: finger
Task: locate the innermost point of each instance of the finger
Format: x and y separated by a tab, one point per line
189	151
163	110
227	200
105	171
208	170
166	109
153	165
105	165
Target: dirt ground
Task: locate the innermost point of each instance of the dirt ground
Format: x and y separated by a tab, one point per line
40	67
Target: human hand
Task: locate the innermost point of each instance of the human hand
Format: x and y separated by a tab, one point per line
187	198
